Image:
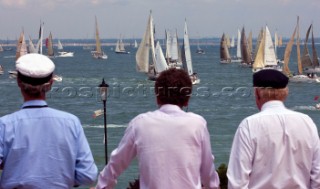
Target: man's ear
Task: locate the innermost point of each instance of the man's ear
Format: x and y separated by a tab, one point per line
186	103
19	82
256	93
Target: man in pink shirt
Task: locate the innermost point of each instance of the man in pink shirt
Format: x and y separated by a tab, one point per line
172	146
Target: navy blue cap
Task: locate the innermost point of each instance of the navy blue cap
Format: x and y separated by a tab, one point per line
270	78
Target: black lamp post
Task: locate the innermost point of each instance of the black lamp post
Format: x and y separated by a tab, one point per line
103	93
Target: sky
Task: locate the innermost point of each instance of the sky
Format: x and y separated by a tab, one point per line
74	19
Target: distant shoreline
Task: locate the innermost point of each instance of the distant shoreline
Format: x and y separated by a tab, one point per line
103	44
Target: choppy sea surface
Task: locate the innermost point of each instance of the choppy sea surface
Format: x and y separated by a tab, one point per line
224	97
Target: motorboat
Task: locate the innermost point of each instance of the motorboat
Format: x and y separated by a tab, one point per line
65	54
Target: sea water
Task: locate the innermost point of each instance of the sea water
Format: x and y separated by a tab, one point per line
224	97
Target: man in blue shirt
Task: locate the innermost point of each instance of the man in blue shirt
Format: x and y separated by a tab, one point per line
41	147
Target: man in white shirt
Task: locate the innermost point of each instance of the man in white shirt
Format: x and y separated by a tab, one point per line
277	147
172	146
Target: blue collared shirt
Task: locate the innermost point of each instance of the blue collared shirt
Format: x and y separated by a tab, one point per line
44	148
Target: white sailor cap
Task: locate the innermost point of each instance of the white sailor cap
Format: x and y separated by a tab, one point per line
34	69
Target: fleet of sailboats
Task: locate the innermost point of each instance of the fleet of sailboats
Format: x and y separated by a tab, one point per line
152	60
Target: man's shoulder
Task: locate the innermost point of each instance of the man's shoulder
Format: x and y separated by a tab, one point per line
285	112
61	113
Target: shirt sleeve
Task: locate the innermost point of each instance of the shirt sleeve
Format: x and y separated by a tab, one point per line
120	159
1	143
315	170
86	170
209	175
240	160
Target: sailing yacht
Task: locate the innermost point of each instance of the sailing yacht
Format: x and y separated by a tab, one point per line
265	57
186	56
31	48
173	54
199	49
310	66
59	46
63	53
300	76
21	46
245	51
224	51
1	70
238	58
49	45
145	47
20	51
232	43
120	49
98	53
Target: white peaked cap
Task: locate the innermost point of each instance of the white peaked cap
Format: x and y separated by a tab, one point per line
35	65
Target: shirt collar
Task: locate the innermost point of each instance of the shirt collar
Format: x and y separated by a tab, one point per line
272	104
170	108
34	103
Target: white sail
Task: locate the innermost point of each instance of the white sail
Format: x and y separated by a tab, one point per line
269	51
117	46
174	48
120	47
232	43
187	61
168	45
147	43
265	56
60	47
31	47
239	44
259	55
160	64
21	46
135	44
